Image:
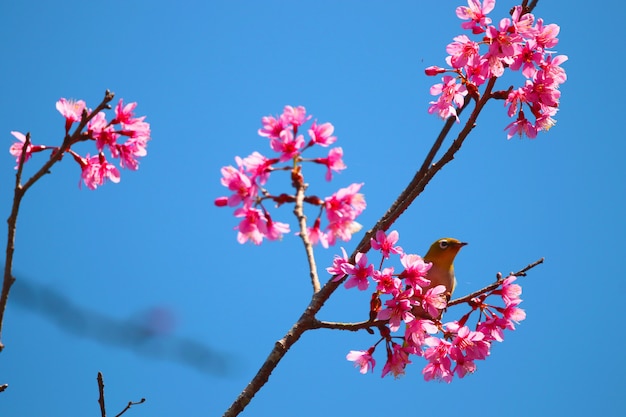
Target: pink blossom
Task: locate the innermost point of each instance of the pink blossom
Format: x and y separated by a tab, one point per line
358	273
451	94
236	180
397	360
503	41
72	111
461	50
295	115
342	208
513	314
521	127
124	114
342	229
258	166
469	345
398	310
387	283
552	67
493	328
418	330
510	292
543	90
514	100
546	36
136	128
338	262
439	364
287	145
333	162
464	366
386	243
415	270
476	14
272	127
275	230
478	70
17	147
252	227
434	300
526	58
523	22
322	134
129	151
102	131
438	370
362	359
316	235
544	122
345	203
96	169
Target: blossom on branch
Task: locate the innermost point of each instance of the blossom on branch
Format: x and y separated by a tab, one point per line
105	135
520	43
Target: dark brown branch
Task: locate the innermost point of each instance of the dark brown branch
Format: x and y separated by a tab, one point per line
18	193
493	286
103	412
130	404
352	327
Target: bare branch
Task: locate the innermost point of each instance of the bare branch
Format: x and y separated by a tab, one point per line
103	412
493	286
298	210
130	404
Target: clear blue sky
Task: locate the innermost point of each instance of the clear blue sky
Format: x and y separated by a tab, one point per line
204	73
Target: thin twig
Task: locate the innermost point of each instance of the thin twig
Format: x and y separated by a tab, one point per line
304	233
130	404
493	286
360	325
103	412
18	193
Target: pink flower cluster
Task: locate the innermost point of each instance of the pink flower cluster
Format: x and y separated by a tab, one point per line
96	169
247	182
519	43
449	348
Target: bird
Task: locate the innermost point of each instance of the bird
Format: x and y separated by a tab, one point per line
441	255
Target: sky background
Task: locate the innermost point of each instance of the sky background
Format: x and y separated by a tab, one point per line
95	269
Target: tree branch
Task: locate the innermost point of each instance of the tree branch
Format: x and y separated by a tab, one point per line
20	190
304	233
103	412
493	286
307	321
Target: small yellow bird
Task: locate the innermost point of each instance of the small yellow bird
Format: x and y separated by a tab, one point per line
441	253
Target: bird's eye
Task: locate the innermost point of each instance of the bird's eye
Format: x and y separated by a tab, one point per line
443	244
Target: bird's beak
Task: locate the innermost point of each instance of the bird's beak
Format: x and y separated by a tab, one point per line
461	244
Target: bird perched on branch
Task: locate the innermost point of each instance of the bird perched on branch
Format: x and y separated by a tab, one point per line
441	254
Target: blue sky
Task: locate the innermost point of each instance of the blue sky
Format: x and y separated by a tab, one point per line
205	73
